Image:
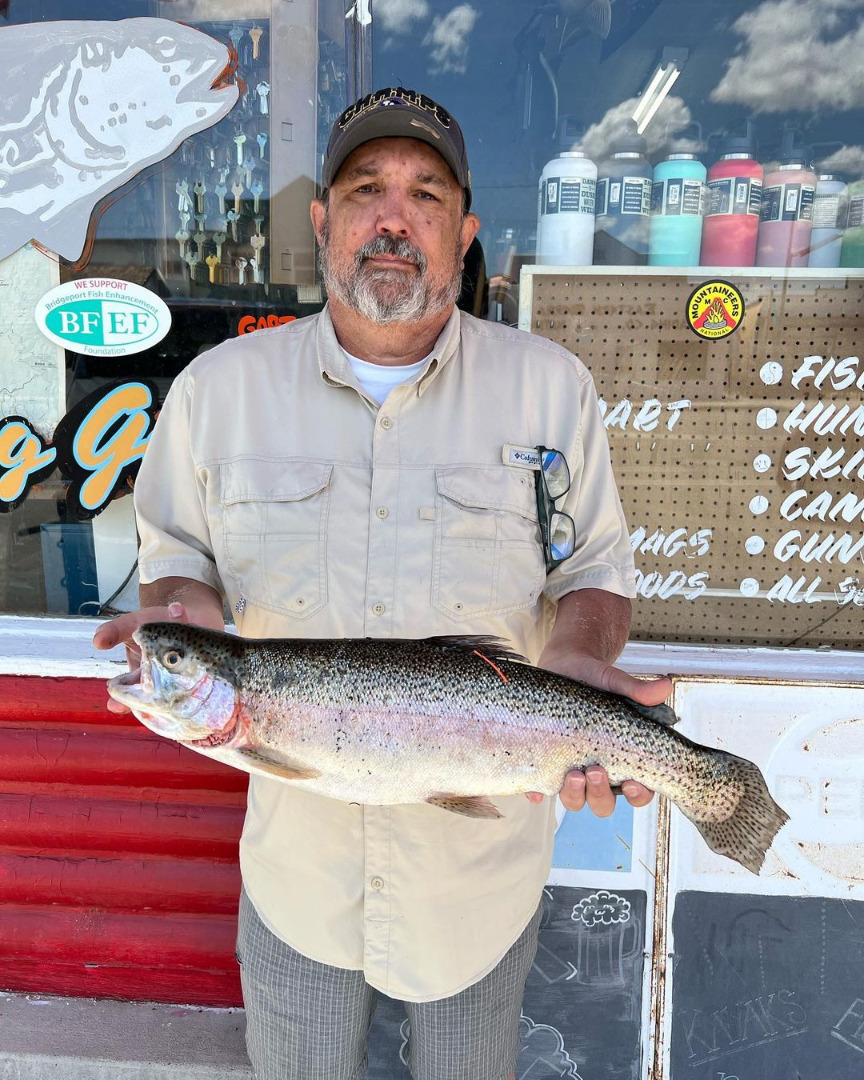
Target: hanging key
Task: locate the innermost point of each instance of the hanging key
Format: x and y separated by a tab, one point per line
200	188
200	239
201	222
237	192
263	90
257	189
184	203
192	259
258	243
248	168
232	221
212	262
262	142
256	271
256	33
219	239
221	192
239	139
223	174
259	221
184	220
182	238
241	265
236	35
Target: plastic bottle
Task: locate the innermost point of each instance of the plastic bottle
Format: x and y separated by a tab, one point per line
623	204
786	218
852	251
830	211
733	201
677	209
565	214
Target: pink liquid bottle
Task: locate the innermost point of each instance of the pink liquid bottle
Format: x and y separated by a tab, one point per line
734	201
786	219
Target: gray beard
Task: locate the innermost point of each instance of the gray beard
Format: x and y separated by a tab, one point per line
388	296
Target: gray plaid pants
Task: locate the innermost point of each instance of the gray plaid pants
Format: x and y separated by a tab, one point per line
309	1021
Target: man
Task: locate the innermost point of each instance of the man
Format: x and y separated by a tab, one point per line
371	472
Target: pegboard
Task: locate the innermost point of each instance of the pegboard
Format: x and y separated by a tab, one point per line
742	479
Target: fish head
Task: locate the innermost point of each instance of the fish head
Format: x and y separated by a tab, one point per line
186	687
136	88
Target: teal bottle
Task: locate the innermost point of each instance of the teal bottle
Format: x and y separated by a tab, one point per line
677	210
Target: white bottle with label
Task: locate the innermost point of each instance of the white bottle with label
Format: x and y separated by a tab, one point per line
830	210
565	212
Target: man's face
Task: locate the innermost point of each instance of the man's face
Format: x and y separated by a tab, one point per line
393	234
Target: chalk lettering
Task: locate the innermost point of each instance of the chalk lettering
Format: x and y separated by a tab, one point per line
655	584
824	506
790	591
825	418
827	463
671	544
648	416
815	549
844	373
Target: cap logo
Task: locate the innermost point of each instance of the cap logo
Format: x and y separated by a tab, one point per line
394	95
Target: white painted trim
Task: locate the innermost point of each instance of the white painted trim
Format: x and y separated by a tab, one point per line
64	647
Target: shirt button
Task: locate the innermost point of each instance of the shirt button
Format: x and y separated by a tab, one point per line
378	609
382	512
377	883
386	423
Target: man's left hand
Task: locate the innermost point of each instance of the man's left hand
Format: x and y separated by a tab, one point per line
591	788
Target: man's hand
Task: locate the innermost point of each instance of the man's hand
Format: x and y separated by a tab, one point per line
591	615
202	606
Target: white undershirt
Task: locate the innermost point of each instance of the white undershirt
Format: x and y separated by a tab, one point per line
377	380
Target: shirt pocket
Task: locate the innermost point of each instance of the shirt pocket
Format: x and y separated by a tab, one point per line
274	518
487	555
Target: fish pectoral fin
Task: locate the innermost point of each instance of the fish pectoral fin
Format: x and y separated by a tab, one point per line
282	769
476	806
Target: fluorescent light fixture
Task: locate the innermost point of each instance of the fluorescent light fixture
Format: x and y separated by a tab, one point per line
659	85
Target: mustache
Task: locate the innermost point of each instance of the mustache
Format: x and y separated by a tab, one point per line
398	247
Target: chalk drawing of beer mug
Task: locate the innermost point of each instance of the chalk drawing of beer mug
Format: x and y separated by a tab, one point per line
608	939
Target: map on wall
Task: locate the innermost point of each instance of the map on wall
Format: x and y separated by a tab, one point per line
32	369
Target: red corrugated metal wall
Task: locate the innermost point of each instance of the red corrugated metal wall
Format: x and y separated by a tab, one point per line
118	853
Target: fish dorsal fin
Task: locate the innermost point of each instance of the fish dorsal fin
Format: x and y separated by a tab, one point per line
492	648
660	714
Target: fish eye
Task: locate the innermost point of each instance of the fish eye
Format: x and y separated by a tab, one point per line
172	658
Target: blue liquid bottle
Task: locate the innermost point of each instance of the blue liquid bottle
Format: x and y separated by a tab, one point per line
677	208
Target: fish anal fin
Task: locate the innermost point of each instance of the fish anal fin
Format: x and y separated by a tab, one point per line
283	769
475	806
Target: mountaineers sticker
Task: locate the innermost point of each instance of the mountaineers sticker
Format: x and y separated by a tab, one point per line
715	309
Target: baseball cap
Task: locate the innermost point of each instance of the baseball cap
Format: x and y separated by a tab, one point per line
396	112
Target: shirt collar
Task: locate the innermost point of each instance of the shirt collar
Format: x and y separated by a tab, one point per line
336	370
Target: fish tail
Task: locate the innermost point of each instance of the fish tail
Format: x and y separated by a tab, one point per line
747	833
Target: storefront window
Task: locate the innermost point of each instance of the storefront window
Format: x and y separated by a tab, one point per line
646	148
161	156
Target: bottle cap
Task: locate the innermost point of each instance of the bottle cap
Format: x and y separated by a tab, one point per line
740	142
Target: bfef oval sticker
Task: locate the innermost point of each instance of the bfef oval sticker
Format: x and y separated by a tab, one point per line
103	317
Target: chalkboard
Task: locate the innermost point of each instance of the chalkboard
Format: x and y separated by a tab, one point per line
767	988
581	1018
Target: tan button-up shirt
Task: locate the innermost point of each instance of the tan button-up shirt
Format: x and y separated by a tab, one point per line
271	477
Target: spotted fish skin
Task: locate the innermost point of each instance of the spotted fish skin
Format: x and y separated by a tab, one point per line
450	721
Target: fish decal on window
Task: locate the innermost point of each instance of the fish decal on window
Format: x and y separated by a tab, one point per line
87	105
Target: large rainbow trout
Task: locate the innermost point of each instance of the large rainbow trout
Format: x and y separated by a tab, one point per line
448	721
